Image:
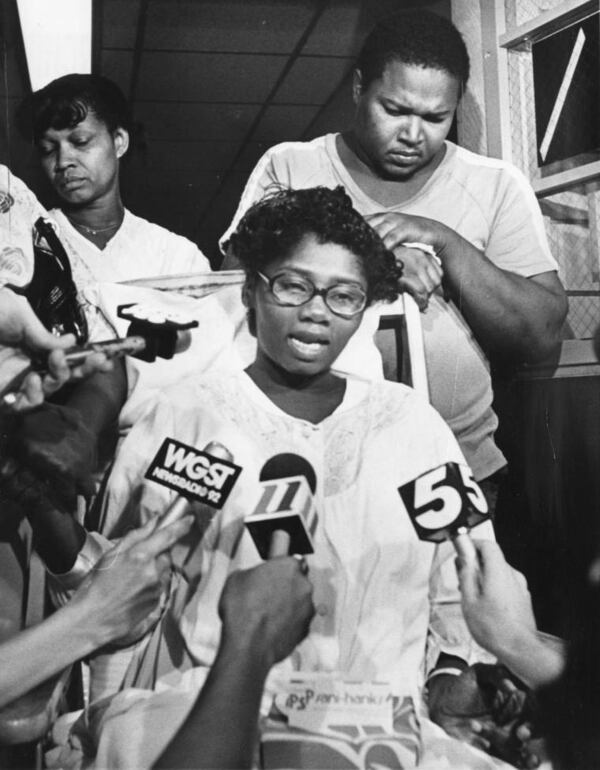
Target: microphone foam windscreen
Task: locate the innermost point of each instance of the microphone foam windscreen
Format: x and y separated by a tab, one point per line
287	464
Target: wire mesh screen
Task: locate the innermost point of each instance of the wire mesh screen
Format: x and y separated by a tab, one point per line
572	217
522	111
584	315
572	224
520	11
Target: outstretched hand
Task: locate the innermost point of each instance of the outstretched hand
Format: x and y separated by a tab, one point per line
124	590
495	600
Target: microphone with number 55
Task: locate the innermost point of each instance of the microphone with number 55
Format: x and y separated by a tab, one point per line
445	503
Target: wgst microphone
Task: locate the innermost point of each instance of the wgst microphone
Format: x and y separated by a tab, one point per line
284	518
206	475
445	503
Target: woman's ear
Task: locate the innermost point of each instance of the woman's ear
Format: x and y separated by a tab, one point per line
356	86
121	141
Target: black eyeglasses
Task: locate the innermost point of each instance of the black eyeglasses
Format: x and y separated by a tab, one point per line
343	299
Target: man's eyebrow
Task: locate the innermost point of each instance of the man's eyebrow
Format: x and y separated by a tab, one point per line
402	107
393	102
437	113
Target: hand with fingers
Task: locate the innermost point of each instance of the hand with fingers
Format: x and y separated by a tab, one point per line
510	733
487	708
269	606
23	387
402	234
20	327
22	330
515	742
498	611
123	592
265	612
495	599
36	387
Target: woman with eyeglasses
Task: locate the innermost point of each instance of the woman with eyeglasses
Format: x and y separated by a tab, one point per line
387	604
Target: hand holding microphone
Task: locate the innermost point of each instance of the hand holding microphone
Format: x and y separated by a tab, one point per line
151	334
444	503
269	606
495	599
23	386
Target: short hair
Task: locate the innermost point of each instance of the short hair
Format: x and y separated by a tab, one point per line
276	224
66	101
418	38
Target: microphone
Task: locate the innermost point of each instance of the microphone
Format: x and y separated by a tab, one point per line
164	333
284	518
445	503
206	475
152	333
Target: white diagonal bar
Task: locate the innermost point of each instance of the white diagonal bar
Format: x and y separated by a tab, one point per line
562	93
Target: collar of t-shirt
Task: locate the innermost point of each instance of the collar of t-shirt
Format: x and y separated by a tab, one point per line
355	392
366	204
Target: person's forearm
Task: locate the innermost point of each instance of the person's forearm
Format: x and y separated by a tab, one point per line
220	731
511	315
535	658
40	652
58	538
99	398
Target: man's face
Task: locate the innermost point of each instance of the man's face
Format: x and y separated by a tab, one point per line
403	118
82	163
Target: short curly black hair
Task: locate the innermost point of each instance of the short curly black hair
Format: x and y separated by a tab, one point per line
66	101
273	226
416	37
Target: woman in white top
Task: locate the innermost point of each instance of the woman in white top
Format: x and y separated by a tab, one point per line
388	606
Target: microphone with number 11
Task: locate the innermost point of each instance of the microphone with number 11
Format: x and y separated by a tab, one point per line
284	518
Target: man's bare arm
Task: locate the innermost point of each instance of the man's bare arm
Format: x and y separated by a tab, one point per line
266	612
511	315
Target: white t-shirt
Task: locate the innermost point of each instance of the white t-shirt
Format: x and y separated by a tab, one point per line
490	204
139	249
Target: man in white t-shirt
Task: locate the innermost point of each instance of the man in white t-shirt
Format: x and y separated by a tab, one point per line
493	290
